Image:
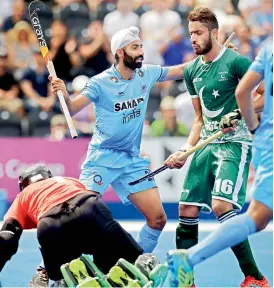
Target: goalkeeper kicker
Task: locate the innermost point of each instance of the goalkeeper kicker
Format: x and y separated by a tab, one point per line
74	224
82	272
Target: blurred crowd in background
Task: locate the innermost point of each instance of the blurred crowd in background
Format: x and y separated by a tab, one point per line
78	34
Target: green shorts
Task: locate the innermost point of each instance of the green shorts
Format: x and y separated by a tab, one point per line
218	171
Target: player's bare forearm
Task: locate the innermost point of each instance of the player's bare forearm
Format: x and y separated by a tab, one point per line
175	72
69	105
75	105
245	99
259	104
246	105
198	122
68	102
194	135
78	103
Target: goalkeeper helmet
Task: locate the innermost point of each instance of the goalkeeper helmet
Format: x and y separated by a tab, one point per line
33	174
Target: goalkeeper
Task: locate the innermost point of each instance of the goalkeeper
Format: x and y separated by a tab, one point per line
70	221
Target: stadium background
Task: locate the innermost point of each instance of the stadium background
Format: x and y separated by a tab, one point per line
78	33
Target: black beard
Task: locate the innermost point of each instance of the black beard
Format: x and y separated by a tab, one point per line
131	63
207	48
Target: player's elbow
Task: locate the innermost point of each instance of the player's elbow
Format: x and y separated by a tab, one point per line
238	92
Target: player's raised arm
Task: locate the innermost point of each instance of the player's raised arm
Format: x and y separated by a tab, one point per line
75	105
175	72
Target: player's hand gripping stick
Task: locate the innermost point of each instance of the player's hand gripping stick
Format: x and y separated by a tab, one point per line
185	155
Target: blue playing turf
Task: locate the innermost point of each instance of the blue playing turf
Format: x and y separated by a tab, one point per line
219	271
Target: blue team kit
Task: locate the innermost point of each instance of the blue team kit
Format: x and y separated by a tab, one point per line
114	151
263	141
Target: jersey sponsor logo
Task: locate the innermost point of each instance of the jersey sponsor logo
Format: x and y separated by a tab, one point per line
223	76
208	113
197	80
97	178
129	104
135	113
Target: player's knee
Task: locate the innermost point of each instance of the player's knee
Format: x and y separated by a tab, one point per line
261	225
219	207
188	210
158	222
260	214
260	222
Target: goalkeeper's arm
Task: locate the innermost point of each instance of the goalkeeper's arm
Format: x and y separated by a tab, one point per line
9	240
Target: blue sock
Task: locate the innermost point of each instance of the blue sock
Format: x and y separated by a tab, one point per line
229	234
148	238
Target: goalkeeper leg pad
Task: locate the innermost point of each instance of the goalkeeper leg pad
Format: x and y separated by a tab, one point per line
95	271
132	271
119	278
78	273
68	276
82	272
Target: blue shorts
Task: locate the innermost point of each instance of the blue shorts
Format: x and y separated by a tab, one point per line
263	185
104	167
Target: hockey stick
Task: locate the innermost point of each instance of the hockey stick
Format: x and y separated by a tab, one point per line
34	7
185	155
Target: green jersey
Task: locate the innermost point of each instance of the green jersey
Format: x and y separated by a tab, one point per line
215	84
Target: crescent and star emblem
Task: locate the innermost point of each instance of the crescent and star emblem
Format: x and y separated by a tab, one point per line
208	113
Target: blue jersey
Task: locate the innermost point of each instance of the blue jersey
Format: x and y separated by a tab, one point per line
263	65
120	106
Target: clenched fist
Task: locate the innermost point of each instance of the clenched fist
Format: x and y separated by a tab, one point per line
173	161
229	121
58	84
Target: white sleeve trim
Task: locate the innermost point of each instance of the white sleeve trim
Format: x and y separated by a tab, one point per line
194	96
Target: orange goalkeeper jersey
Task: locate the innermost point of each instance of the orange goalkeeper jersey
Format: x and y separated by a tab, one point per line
38	198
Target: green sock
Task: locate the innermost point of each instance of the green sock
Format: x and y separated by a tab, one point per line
187	232
243	252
